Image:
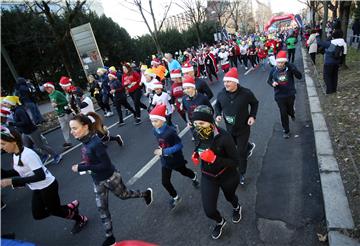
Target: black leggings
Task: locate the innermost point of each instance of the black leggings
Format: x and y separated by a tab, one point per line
242	146
211	71
210	188
136	97
291	55
166	177
46	202
121	100
286	106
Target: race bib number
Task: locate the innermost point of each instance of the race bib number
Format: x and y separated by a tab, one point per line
230	119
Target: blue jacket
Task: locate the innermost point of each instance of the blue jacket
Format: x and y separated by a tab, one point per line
95	159
105	88
285	78
190	103
23	91
329	59
172	156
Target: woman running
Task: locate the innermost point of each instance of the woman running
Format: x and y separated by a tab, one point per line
106	178
32	172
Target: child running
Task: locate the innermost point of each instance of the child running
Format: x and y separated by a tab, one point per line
170	153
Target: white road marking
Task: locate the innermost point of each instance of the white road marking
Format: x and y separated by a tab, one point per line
152	162
248	71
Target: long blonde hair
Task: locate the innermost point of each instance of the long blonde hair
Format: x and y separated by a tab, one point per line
98	124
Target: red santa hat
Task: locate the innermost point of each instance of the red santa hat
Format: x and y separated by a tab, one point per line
49	85
232	75
281	56
4	112
175	74
158	112
188	81
157	85
65	81
112	75
187	67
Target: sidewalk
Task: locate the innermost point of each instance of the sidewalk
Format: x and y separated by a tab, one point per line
333	173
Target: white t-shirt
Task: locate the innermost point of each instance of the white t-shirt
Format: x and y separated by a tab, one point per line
163	99
32	162
149	85
224	57
89	107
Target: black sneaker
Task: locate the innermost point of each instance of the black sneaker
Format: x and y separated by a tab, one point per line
195	182
119	140
149	197
250	152
67	145
121	123
79	225
109	241
174	202
236	217
216	233
286	135
137	121
242	179
293	118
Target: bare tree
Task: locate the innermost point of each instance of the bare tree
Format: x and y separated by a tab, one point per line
221	10
314	7
325	19
150	18
60	35
195	13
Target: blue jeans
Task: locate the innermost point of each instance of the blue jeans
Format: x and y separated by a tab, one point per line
34	112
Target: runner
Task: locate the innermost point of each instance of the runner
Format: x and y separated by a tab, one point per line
32	172
216	151
281	77
59	102
105	177
233	104
31	134
161	97
170	153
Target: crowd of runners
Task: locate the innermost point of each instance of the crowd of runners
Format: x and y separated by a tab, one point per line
173	84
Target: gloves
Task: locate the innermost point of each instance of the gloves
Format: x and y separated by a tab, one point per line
208	156
195	158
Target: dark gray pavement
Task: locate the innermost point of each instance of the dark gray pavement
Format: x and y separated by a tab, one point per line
282	201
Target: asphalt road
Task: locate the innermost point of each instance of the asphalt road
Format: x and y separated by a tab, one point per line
282	200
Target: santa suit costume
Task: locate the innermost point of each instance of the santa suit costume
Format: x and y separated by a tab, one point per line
211	66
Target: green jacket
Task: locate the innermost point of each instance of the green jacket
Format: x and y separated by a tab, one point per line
60	100
291	42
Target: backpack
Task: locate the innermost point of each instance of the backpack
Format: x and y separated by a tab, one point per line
336	51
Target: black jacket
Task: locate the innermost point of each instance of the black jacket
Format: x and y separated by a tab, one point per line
226	154
285	78
22	121
203	88
235	109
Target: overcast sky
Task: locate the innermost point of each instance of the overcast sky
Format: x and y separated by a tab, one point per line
132	21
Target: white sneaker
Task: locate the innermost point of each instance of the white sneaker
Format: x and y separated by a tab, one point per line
109	114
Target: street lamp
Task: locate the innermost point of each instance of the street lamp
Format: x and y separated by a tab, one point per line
215	24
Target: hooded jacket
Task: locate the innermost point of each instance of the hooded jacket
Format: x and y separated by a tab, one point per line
329	59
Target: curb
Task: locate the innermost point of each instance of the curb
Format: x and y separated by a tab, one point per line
337	211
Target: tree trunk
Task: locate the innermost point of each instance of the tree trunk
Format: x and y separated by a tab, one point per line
198	33
335	10
344	16
325	19
312	11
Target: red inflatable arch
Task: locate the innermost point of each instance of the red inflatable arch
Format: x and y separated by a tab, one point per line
279	18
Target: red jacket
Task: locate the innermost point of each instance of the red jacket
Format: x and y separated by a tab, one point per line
262	54
128	79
